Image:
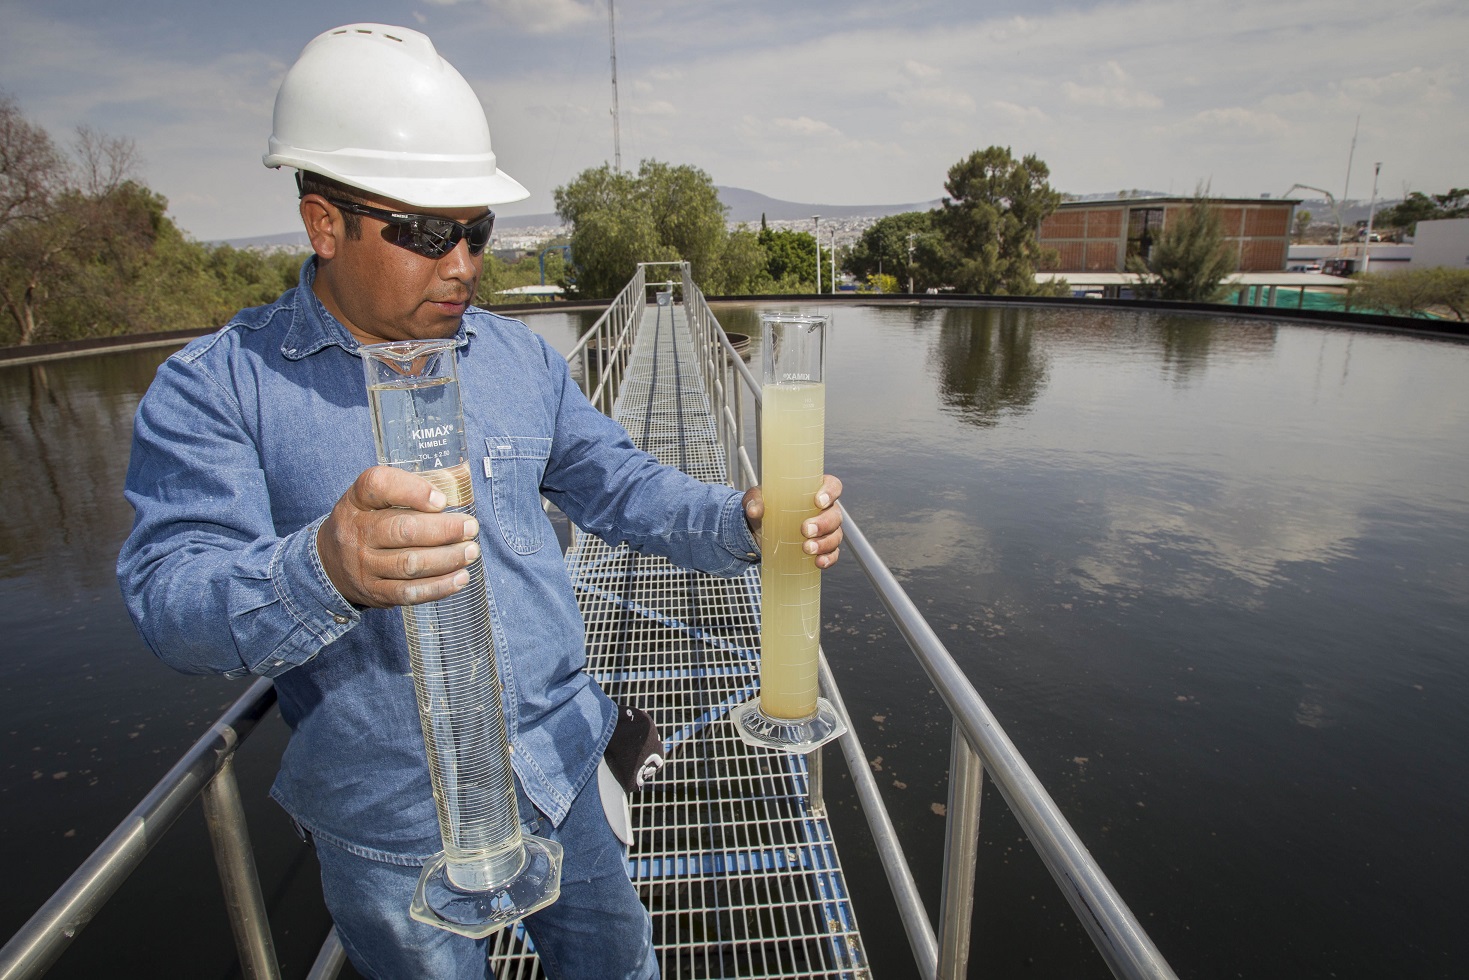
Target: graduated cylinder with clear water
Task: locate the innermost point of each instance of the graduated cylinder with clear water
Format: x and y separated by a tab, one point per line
489	874
788	714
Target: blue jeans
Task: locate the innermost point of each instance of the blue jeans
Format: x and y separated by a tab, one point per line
596	930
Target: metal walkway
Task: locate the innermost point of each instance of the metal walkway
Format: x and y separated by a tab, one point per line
739	871
733	854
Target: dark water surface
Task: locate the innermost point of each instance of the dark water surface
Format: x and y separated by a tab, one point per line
1210	575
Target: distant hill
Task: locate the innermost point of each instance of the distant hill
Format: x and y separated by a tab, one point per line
747	206
295	241
1116	195
1352	211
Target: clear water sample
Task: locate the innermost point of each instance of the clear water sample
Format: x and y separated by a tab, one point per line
489	874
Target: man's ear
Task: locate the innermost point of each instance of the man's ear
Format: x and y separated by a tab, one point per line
323	225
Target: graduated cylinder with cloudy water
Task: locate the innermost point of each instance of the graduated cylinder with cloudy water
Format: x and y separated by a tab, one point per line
788	714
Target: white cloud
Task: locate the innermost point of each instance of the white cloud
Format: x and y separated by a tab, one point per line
941	99
1116	89
928	539
804	126
657	108
918	69
1414	86
1257	94
535	16
1023	114
1233	122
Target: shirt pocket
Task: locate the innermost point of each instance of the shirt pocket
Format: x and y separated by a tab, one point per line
514	466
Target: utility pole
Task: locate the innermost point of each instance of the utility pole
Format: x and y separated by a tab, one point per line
910	262
616	124
833	261
817	235
1371	213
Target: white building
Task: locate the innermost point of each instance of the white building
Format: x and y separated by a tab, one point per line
1441	243
1350	257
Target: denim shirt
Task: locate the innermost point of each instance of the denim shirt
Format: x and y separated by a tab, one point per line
242	445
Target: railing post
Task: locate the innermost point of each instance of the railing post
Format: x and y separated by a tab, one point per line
225	816
329	959
738	400
961	843
815	790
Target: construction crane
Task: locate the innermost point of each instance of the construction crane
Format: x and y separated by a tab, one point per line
1335	210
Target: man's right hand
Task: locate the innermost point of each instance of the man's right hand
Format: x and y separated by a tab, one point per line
377	553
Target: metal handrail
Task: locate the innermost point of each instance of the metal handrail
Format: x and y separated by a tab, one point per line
1114	930
610	338
978	742
206	770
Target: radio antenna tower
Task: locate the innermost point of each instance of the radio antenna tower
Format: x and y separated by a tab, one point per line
616	126
1348	186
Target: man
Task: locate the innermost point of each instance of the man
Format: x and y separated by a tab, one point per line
265	543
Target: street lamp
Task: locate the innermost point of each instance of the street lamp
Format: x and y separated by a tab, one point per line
817	235
833	261
910	262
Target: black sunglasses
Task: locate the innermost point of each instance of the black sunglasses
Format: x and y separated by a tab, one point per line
426	234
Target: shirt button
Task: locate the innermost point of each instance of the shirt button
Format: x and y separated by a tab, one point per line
339	619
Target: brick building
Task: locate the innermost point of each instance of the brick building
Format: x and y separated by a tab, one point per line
1098	236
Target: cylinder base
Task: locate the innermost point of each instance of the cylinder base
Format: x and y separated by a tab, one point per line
440	903
797	735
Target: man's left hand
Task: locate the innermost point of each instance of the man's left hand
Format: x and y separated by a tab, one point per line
823	532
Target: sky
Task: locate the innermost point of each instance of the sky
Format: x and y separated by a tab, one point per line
816	102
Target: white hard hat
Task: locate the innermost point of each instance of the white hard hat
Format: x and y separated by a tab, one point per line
376	108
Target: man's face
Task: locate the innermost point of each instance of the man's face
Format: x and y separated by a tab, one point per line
382	291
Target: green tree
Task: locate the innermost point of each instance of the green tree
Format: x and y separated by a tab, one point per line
1418	207
243	277
664	212
881	282
1413	292
131	272
687	215
63	222
741	268
1190	260
884	249
32	169
141	274
88	251
790	259
612	230
1303	222
990	219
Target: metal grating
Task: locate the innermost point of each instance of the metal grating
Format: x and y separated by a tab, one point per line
740	874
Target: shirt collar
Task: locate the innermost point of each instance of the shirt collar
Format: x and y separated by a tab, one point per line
313	328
